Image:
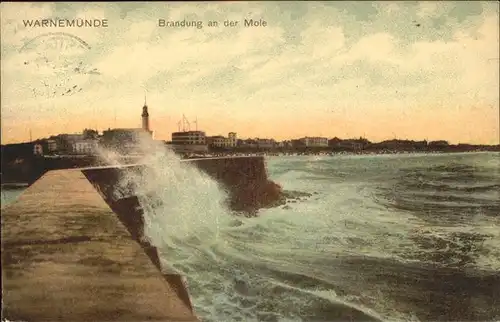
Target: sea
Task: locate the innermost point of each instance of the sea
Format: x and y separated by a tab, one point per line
9	195
400	237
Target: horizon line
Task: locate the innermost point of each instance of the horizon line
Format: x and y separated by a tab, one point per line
283	140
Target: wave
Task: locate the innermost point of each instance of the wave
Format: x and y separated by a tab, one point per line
186	218
346	253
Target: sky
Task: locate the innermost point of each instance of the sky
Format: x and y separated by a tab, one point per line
381	70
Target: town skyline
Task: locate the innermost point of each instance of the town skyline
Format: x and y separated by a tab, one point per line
241	138
375	70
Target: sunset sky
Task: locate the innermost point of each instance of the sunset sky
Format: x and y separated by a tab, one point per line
382	70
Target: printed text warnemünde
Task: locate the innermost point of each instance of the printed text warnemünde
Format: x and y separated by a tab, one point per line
66	23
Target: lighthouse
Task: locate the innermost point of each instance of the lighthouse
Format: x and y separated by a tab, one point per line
145	116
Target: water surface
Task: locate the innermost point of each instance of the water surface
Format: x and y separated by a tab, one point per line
390	237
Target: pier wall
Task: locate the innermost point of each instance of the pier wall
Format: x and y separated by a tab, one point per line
244	178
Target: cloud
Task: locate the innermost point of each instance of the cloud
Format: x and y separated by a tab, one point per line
389	8
376	47
323	41
309	58
428	9
13	32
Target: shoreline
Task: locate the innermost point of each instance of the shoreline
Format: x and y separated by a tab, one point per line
289	154
14	185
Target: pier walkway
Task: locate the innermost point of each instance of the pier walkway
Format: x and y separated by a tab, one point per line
67	257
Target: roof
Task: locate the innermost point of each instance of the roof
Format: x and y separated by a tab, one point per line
188	132
125	130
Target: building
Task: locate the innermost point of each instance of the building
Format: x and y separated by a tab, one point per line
247	143
217	141
284	144
69	144
314	142
189	137
265	143
189	142
45	146
232	140
90	134
126	139
335	142
51	145
438	144
37	149
86	147
349	144
297	143
287	144
123	139
63	143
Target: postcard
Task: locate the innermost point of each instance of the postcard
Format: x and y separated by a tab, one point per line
250	161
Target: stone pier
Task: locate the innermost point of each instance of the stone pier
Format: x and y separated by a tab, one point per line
67	257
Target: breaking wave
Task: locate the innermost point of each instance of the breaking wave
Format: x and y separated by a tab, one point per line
373	243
